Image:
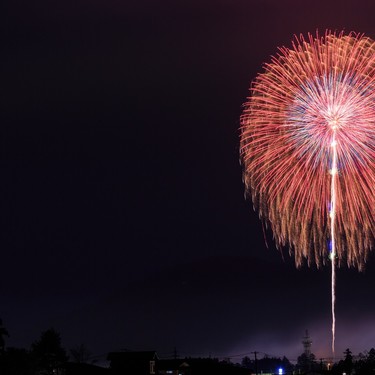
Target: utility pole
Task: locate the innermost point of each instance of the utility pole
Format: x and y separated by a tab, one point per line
256	362
321	364
175	353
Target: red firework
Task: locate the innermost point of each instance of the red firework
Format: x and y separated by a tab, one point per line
318	95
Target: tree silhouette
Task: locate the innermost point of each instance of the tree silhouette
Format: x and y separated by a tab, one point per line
348	361
246	362
306	362
80	354
346	365
371	358
47	353
365	364
3	332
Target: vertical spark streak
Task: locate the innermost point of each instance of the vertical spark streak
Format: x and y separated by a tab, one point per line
332	217
333	281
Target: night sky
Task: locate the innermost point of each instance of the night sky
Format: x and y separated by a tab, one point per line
123	223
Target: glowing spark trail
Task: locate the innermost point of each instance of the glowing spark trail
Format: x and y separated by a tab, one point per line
332	216
308	149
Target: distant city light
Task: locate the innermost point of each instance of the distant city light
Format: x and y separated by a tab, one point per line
281	372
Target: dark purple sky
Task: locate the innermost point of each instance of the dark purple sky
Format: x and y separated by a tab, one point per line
123	222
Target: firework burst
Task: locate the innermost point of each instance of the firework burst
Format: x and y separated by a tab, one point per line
308	147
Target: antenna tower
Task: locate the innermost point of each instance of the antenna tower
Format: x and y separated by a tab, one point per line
306	342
